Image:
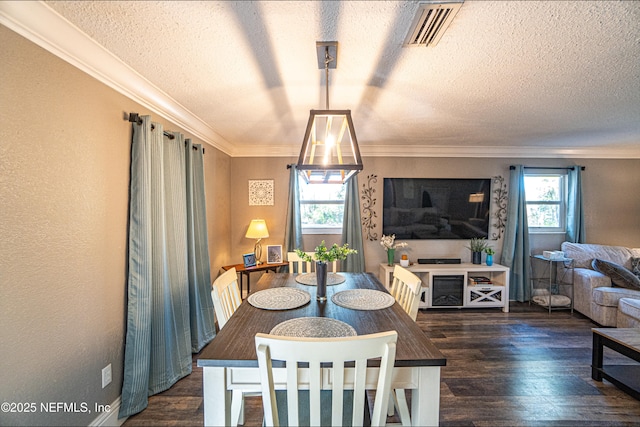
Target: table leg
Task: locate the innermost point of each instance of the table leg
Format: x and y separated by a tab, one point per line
216	398
248	284
425	399
597	357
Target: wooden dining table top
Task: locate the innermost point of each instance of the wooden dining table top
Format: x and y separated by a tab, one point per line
234	345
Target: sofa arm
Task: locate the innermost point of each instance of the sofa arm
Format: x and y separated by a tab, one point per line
584	282
591	279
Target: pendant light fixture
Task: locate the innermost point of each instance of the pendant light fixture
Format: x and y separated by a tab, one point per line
330	152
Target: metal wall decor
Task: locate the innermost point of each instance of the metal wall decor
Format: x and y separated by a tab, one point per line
500	198
368	202
260	192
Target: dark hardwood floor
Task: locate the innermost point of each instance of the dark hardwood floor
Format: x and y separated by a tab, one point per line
523	368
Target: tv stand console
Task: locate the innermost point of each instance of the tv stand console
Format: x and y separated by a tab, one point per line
448	285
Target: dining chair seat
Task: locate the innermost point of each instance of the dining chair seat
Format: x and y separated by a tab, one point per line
405	288
305	361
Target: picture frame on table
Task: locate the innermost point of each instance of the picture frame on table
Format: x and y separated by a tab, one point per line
249	260
274	254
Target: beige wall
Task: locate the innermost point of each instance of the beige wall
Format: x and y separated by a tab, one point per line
64	179
611	200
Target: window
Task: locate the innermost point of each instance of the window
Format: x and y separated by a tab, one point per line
321	208
546	202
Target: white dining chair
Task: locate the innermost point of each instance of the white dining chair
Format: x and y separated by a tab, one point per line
226	296
298	265
405	288
226	299
333	351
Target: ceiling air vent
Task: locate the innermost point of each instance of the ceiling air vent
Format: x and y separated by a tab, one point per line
430	23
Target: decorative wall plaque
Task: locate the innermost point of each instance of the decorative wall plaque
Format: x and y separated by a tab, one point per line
368	202
500	199
260	192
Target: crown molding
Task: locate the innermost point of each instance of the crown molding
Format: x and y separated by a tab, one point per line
449	151
43	26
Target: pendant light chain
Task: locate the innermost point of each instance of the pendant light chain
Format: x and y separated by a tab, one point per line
327	59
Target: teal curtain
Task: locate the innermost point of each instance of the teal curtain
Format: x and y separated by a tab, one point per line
166	266
575	212
201	305
293	224
352	228
515	246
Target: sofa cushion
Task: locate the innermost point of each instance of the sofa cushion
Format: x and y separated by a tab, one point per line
609	297
635	266
628	313
619	275
630	307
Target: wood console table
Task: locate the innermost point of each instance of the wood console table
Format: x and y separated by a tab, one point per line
625	341
246	271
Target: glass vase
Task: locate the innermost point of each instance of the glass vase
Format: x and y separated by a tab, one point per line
489	260
321	279
391	254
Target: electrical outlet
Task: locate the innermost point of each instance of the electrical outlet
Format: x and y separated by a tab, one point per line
106	375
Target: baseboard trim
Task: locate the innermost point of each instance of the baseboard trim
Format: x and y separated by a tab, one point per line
109	418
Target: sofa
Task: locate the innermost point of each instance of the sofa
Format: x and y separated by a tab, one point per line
594	293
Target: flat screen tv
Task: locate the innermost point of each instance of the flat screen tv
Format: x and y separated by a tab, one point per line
435	208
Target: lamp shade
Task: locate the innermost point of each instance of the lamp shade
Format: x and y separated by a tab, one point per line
330	152
257	229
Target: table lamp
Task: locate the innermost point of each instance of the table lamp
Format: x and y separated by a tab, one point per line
257	230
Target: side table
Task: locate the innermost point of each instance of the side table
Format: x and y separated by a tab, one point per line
246	271
553	284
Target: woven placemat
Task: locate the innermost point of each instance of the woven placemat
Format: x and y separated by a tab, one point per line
363	299
313	327
311	279
279	298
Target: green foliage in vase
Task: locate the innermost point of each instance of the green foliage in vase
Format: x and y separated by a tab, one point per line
478	244
327	255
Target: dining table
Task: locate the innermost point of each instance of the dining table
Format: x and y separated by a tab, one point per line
229	361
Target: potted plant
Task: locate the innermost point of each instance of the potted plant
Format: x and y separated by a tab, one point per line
490	253
477	245
388	242
322	256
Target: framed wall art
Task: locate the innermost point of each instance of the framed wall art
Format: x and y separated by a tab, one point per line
249	260
260	192
274	254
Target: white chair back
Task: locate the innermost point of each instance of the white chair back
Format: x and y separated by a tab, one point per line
406	289
226	296
297	264
334	351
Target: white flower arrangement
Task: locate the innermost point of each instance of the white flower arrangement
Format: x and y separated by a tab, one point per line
388	242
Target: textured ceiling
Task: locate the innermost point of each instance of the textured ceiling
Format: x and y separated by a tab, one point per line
539	78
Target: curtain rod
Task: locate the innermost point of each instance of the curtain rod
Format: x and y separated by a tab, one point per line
135	118
551	168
